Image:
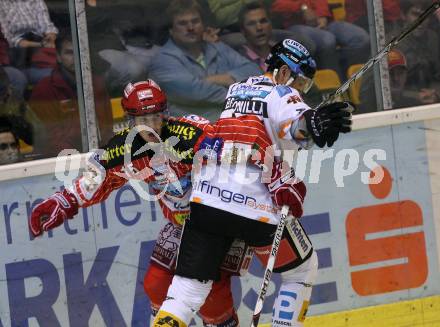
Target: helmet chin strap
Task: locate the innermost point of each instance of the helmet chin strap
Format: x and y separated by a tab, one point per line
275	73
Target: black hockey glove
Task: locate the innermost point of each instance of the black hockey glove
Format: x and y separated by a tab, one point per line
325	123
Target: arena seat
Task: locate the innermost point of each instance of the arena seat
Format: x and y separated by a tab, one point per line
327	80
337	7
355	88
117	111
24	147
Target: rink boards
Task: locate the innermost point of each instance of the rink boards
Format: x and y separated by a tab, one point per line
376	246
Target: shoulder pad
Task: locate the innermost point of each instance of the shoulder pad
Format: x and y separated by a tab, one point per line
283	90
265	83
117	138
188	134
248	91
195	119
117	147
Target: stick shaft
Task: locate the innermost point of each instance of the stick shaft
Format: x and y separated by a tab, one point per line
269	267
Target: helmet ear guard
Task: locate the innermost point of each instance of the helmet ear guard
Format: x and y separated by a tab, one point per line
143	98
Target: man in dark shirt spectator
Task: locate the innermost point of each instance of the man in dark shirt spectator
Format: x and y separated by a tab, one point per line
54	100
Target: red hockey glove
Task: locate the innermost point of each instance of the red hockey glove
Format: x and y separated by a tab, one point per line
52	212
288	190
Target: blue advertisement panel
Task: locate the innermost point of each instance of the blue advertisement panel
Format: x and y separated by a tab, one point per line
376	243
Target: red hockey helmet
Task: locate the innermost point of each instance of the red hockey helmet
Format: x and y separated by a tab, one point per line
143	98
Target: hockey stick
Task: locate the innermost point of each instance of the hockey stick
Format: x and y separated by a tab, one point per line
394	41
269	266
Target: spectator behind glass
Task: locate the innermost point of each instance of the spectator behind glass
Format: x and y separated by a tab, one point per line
27	27
9	146
401	96
421	49
196	74
16	77
54	100
115	37
24	120
356	13
256	27
314	20
228	13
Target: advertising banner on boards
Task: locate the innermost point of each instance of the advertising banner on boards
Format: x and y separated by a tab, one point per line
375	243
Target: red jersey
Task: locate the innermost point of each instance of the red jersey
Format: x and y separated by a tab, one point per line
167	168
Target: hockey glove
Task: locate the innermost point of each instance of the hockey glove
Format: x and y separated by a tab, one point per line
52	212
288	190
325	123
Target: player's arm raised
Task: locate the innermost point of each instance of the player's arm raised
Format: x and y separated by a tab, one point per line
94	186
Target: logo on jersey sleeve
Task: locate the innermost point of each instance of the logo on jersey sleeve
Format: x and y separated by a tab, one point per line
197	119
294	99
247	91
283	90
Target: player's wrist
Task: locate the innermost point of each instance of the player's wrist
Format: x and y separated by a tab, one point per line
300	133
68	201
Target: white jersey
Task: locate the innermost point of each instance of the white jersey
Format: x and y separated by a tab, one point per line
256	115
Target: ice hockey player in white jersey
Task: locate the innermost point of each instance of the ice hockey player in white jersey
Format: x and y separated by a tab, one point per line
233	197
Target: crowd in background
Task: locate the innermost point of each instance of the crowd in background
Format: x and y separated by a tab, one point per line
194	49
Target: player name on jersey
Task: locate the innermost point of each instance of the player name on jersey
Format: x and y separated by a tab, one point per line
245	107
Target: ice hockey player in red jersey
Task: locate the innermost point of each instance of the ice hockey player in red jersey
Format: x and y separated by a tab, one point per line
233	198
169	175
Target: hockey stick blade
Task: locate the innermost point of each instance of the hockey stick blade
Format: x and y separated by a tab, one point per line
269	266
370	63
